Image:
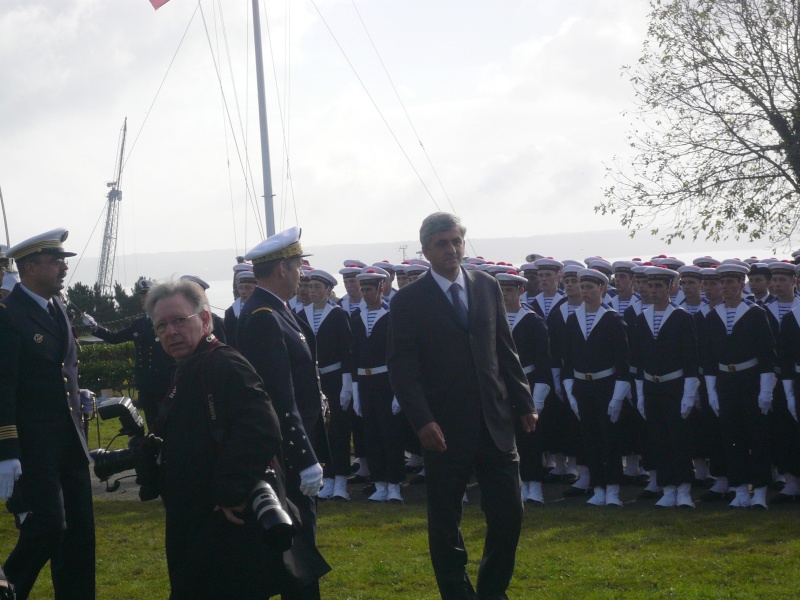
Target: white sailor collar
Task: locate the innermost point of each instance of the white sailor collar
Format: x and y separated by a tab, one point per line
580	314
743	307
309	310
384	310
521	313
649	315
237	307
774	307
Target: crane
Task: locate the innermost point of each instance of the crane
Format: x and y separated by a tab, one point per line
105	268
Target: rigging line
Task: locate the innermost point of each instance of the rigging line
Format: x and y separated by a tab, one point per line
408	116
80	258
158	91
287	89
227	111
374	104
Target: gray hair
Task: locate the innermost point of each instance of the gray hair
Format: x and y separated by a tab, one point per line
437	223
191	291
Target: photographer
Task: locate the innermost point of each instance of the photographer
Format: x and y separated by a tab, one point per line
220	434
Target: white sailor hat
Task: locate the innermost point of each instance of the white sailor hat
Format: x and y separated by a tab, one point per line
733	269
759	268
323	276
690	271
416	268
484	267
660	273
528	266
770	260
354	262
782	268
49	243
419	261
285	244
245	266
796	253
475	260
624	266
401	268
640	271
574	263
511	277
709	273
494	269
548	264
734	261
196	279
705	261
350	271
593	275
372	274
571	270
752	260
533	257
468	266
245	276
600	264
384	264
670	262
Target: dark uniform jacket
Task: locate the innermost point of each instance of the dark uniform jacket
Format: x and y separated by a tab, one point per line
606	346
333	338
789	345
533	346
537	303
751	337
38	378
152	370
273	341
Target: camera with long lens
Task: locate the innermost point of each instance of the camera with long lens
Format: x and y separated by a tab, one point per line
140	455
277	529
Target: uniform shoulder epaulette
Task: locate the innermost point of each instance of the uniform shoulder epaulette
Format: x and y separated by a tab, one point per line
266	308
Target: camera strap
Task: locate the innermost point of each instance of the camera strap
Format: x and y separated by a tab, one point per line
215	407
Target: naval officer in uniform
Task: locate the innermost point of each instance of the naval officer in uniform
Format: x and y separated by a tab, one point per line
44	460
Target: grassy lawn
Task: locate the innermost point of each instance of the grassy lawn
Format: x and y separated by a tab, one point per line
567	551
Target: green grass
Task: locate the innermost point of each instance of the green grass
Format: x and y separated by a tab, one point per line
566	551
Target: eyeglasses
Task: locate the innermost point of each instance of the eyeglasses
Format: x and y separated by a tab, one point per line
177	323
59	262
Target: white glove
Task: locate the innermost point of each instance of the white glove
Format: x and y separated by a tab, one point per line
713	399
622	390
311	480
346	396
540	391
640	397
690	386
557	383
10	470
765	396
89	321
568	385
791	403
395	406
356	400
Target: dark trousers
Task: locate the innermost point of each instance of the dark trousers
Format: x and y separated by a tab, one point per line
785	434
559	427
339	427
601	437
446	480
745	431
530	447
307	507
383	430
357	427
56	488
669	434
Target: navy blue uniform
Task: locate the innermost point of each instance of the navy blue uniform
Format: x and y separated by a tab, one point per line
40	424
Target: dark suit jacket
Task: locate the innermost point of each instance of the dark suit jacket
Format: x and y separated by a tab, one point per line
38	378
458	377
270	338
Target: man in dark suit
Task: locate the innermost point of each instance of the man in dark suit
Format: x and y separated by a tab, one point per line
41	433
458	378
270	337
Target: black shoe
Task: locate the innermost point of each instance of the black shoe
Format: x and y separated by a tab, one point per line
354	467
629	479
534	502
552	478
642	480
712	496
414	470
648	495
357	479
417	479
569	478
777	486
369	489
573	491
783	499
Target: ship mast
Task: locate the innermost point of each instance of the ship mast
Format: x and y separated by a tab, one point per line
105	269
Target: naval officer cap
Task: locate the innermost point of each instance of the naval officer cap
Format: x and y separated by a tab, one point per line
195	279
48	243
372	274
661	273
285	244
736	269
593	275
323	276
782	268
511	277
245	277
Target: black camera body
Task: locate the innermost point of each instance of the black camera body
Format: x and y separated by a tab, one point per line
140	455
277	529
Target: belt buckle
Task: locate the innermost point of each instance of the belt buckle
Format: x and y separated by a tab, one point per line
656	379
367	371
588	377
731	368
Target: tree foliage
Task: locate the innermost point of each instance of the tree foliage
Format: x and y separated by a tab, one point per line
716	128
112	311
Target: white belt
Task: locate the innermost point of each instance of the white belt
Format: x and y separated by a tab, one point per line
374	371
738	367
663	378
527	370
632	370
330	368
593	376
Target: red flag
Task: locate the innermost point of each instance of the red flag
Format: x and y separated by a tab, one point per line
158	3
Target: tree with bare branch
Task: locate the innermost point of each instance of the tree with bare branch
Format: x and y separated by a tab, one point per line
716	129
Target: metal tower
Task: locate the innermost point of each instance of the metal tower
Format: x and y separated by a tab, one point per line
105	269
